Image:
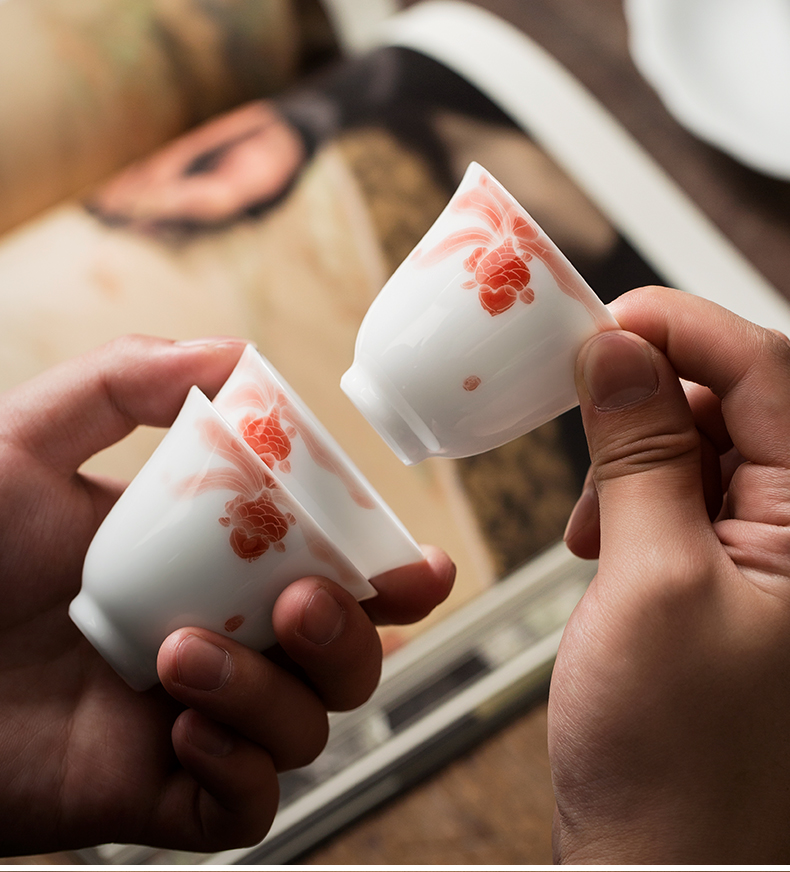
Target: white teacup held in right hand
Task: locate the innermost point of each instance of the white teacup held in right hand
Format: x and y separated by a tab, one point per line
471	343
473	340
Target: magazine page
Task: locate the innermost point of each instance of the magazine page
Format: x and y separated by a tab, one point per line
352	167
88	86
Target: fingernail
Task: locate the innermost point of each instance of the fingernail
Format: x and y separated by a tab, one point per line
323	619
618	372
211	738
202	665
440	563
584	513
213	340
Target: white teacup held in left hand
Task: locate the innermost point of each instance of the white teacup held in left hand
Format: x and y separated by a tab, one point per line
242	497
471	343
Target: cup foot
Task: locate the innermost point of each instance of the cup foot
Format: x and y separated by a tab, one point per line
386	411
125	659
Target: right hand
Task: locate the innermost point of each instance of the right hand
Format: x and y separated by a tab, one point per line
669	717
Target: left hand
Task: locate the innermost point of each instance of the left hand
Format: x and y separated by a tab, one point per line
191	764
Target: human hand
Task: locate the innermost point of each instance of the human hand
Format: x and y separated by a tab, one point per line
669	712
191	764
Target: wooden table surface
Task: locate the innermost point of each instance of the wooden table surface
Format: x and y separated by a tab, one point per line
494	805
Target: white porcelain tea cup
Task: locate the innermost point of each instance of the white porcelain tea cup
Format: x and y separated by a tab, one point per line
205	535
272	418
473	340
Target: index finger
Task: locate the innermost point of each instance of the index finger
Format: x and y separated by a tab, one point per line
746	366
70	412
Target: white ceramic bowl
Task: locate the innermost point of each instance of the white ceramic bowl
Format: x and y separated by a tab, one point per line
722	68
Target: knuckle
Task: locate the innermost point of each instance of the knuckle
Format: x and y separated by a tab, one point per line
353	698
628	454
245	828
777	347
361	682
652	297
124	346
248	833
782	337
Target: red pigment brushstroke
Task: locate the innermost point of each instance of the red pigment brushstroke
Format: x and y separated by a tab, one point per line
272	441
504	247
233	624
255	520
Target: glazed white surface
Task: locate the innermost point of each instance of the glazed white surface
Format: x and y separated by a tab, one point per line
722	67
427	333
165	556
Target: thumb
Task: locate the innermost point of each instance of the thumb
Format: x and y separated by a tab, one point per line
644	446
